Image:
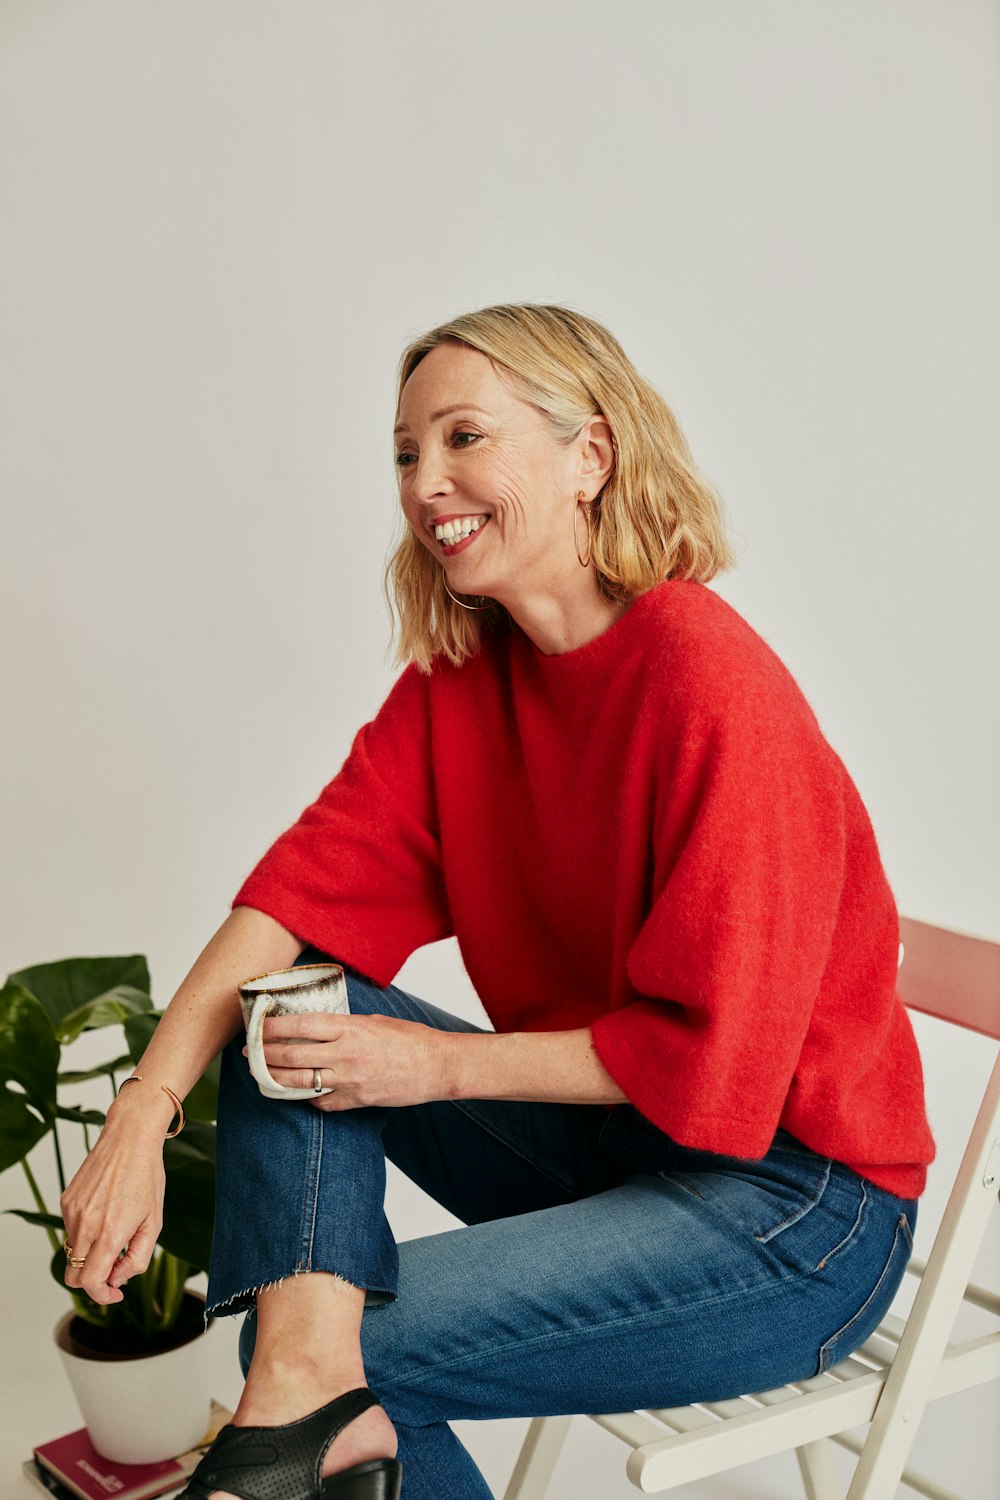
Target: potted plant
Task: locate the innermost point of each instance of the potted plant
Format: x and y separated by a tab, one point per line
42	1010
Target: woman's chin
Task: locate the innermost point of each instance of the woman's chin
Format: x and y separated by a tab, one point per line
470	585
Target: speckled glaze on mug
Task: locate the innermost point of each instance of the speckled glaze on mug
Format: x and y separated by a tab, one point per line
288	992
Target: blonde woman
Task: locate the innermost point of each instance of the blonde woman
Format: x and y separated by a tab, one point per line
687	1156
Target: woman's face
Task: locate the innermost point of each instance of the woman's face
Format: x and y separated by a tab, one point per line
485	484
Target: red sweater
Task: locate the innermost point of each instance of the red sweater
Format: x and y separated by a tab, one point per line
649	836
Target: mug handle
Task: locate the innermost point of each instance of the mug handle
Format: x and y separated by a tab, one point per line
255	1050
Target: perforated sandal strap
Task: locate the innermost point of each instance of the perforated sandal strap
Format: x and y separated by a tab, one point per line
276	1463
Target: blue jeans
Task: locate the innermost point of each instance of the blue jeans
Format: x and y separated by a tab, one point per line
601	1266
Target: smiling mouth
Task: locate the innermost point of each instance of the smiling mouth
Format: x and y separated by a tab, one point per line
451	534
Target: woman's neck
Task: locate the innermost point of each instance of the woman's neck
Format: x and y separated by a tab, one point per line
556	625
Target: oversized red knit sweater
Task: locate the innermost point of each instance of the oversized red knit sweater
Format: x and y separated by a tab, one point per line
650	836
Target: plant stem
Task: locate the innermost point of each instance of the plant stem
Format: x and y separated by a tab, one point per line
86	1139
59	1160
147	1288
39	1202
175	1273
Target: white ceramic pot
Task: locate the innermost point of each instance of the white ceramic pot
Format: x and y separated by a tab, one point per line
140	1409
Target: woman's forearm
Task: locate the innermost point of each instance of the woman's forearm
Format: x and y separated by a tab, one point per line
555	1066
204	1014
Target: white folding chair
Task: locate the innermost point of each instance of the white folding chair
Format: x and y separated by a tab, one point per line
907	1362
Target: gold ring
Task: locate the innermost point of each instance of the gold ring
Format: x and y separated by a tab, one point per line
67	1249
76	1261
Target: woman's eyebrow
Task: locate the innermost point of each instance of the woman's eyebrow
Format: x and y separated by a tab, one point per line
445	411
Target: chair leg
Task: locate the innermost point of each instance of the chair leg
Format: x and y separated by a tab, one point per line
818	1470
537	1458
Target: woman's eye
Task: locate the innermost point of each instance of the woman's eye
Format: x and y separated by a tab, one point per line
402	459
465	439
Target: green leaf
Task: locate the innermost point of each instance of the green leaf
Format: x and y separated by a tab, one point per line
189	1201
105	1070
29	1056
73	983
111	1009
20	1130
202	1103
49	1221
138	1032
79	1116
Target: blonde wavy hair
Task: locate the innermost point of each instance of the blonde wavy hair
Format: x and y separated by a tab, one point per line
657	517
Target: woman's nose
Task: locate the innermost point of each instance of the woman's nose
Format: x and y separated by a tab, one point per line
429	477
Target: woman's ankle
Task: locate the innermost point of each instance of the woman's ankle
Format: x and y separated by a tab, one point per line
371	1435
281	1390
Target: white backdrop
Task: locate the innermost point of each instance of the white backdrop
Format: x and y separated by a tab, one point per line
222	221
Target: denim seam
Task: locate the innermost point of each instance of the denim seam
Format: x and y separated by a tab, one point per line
567	1186
825	1360
765	1235
851	1232
800	1212
310	1195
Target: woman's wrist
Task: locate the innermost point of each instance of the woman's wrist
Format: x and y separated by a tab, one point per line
481	1064
555	1067
144	1107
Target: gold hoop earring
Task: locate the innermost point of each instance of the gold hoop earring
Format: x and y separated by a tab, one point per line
587	504
461	602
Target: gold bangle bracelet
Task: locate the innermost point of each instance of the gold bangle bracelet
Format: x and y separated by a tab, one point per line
178	1106
180	1112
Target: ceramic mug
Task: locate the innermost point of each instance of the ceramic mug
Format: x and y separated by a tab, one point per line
289	992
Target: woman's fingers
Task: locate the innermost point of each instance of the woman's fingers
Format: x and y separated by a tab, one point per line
92	1276
319	1026
113	1204
136	1257
369	1060
108	1262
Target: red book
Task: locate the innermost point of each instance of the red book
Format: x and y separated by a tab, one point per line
77	1466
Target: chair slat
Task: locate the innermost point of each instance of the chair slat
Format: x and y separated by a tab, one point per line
952	976
778	1396
740	1406
683	1418
630	1426
968	1364
757	1434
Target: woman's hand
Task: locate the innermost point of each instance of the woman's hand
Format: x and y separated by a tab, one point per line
367	1060
115	1204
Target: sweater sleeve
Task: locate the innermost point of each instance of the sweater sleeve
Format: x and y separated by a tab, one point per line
359	875
749	873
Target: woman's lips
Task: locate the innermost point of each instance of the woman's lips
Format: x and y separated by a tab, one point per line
453	548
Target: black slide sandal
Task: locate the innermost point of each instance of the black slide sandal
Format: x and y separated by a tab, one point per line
284	1463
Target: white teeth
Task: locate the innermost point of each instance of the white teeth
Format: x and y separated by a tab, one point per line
456	531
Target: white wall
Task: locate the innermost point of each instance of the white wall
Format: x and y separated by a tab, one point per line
221	223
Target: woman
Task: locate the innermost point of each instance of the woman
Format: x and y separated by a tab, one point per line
687	1159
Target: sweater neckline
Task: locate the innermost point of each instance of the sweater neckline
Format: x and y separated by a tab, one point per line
597	652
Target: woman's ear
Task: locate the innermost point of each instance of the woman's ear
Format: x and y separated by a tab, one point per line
597	452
